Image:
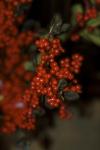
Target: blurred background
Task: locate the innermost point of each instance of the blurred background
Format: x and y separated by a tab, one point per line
83	130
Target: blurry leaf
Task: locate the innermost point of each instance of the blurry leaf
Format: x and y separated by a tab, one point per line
96	32
71	96
28	66
92	2
90	37
57	27
84	35
63	37
65	27
95	39
73	20
39	112
94	22
62	83
35	58
32	48
56	24
77	8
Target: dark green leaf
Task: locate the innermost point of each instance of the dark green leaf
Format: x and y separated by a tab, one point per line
62	83
71	96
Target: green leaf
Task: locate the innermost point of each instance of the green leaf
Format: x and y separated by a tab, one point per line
64	37
28	66
95	39
39	112
77	9
32	48
90	37
71	96
94	22
96	32
92	2
62	83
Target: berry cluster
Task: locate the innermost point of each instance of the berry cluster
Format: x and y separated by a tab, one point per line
13	75
90	13
49	73
45	82
82	18
76	62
